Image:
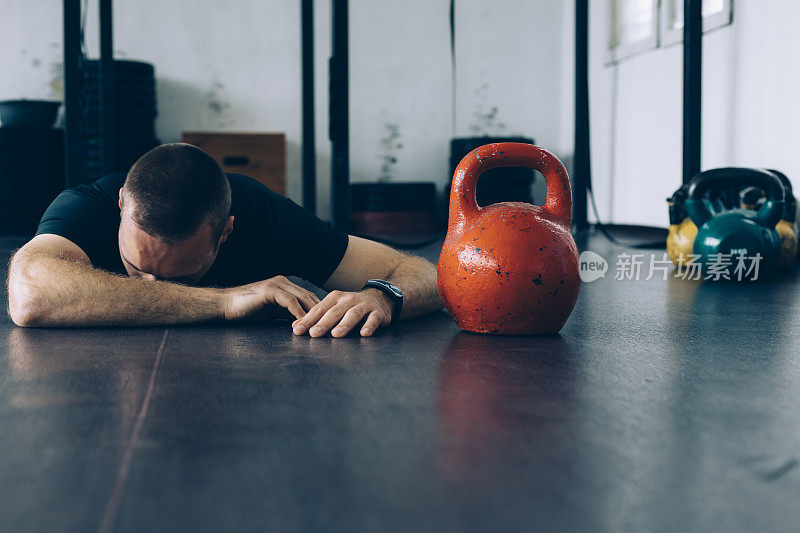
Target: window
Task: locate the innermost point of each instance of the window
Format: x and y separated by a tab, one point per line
633	27
639	25
716	13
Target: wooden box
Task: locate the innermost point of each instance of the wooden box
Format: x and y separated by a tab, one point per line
261	156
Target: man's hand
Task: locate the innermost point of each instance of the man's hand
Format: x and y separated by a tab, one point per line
243	301
345	311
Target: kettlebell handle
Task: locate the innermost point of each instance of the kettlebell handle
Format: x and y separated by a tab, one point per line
700	209
790	205
463	203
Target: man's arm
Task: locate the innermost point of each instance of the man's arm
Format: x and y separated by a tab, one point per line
51	282
343	309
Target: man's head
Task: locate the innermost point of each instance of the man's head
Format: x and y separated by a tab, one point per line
175	212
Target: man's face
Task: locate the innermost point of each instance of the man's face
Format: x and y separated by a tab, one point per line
148	257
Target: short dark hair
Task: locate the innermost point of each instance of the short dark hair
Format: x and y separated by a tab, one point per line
174	189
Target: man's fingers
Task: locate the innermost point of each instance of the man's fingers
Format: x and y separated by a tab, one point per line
372	324
342	312
314	314
307	298
350	320
290	302
243	301
331	317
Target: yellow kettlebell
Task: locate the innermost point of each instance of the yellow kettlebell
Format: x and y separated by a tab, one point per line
682	230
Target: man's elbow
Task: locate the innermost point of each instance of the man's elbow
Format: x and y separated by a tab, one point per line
24	306
23	314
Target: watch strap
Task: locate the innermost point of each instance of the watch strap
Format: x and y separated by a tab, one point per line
391	290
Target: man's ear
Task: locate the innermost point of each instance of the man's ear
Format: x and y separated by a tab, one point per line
227	231
120	198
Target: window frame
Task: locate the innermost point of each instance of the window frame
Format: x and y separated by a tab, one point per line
618	52
671	35
662	34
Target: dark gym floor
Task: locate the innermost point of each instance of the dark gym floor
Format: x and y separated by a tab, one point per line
662	406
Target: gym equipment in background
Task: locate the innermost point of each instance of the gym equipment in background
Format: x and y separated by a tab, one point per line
731	190
261	156
28	113
134	115
509	267
390	209
787	227
736	232
31	175
682	231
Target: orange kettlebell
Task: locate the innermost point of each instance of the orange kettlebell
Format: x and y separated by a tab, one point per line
510	267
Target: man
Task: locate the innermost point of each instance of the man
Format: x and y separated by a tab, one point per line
177	241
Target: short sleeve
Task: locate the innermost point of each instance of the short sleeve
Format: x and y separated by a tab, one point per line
313	248
68	216
87	216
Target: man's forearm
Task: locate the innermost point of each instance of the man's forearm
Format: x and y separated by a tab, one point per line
49	291
416	277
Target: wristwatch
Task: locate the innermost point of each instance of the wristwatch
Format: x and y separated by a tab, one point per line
389	289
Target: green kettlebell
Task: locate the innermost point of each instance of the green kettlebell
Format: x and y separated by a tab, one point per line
736	232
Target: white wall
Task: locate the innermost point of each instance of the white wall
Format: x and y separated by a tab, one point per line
30	58
509	69
750	108
235	66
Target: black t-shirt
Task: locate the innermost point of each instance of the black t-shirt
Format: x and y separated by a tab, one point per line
271	234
